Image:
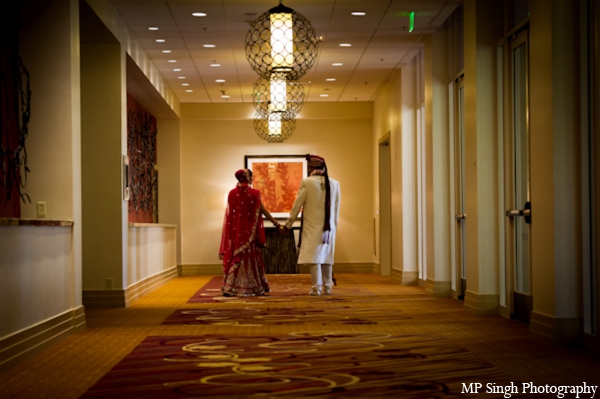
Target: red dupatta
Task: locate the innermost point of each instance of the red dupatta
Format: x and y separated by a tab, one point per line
243	227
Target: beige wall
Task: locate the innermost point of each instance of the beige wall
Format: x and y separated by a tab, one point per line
46	51
395	114
214	140
40	288
387	119
481	175
439	213
103	142
151	251
555	162
168	143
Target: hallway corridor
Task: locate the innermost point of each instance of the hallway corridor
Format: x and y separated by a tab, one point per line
363	305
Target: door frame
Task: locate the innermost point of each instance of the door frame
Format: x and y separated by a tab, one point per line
458	215
517	38
591	223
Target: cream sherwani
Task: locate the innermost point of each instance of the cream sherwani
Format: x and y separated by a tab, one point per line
311	197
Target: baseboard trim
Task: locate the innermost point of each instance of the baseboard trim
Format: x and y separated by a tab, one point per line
556	330
343	268
482	304
25	344
439	289
405	277
146	286
110	299
200	270
377	269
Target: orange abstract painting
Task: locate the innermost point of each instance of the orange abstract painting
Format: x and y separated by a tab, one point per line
278	183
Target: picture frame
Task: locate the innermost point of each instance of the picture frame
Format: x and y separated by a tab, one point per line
278	178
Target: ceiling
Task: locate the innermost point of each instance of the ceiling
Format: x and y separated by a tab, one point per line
380	42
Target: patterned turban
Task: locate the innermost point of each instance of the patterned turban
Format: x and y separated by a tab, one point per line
315	161
243	175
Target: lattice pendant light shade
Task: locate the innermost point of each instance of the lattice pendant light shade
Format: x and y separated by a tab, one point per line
281	40
278	94
274	127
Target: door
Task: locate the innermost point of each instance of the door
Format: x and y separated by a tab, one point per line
518	182
385	206
460	266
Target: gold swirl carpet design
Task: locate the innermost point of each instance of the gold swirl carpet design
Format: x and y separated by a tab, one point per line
294	287
295	365
256	317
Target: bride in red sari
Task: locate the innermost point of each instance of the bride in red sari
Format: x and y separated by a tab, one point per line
243	236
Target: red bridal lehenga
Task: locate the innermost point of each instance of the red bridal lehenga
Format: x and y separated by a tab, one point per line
243	236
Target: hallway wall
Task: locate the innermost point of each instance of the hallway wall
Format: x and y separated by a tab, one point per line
40	266
395	113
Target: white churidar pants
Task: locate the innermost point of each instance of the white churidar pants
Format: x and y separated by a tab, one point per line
321	275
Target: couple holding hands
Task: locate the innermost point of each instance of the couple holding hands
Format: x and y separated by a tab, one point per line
243	232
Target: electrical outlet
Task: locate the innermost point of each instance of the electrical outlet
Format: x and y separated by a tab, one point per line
41	209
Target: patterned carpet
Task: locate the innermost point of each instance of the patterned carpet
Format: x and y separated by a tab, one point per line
294	287
296	365
343	362
372	338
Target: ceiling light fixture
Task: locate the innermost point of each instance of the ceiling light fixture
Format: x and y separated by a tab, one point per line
330	79
166	51
185	84
324	95
199	14
215	65
281	46
220	80
189	91
172	61
345	45
177	70
152	28
160	40
358	13
180	77
209	46
337	64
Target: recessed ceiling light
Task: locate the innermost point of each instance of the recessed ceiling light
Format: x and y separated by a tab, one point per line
152	28
177	70
160	40
324	95
337	64
209	45
189	91
215	65
185	84
220	80
330	79
172	61
345	45
358	13
199	14
225	96
166	51
180	77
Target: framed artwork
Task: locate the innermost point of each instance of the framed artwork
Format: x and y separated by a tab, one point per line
278	178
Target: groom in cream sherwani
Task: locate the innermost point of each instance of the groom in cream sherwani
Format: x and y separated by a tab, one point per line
319	197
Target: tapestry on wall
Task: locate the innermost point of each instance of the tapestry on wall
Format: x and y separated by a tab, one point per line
14	115
141	149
